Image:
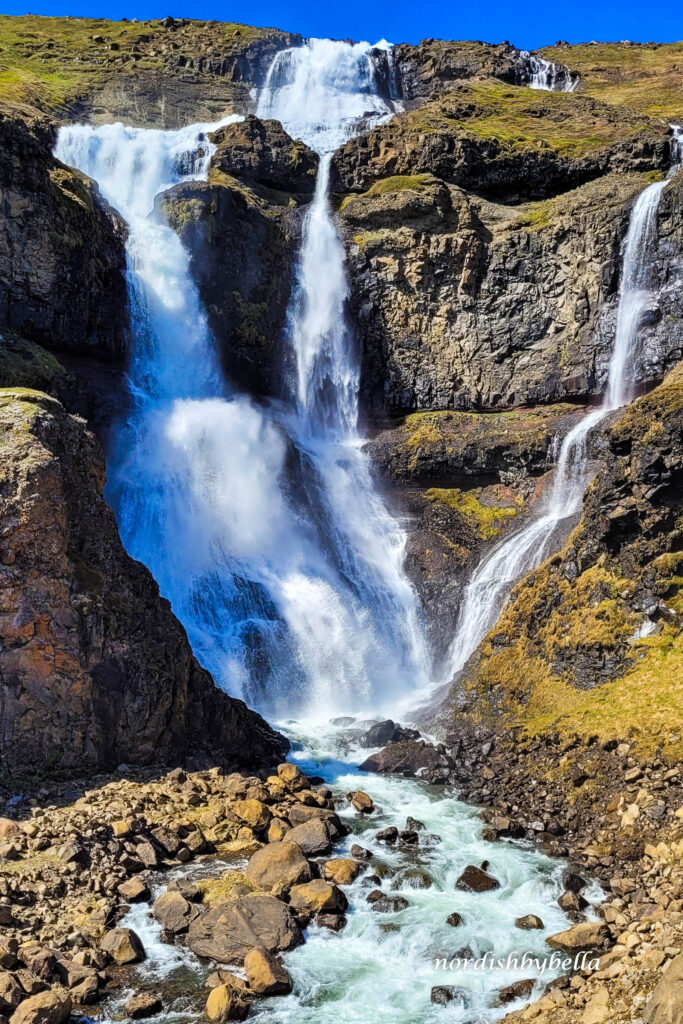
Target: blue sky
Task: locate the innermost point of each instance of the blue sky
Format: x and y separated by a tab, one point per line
527	25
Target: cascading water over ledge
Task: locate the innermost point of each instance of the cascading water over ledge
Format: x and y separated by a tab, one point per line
307	607
544	74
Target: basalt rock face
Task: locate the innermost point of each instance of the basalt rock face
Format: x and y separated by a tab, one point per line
249	210
262	153
504	141
464	480
660	335
435	65
62	256
95	668
246	295
465	303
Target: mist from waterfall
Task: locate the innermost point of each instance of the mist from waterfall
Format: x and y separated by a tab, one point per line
525	549
295	603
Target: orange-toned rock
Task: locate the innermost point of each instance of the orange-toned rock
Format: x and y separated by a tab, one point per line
342	870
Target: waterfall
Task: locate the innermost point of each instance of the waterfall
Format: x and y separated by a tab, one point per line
543	74
523	550
296	602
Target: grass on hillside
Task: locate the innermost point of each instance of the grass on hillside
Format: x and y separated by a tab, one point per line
50	62
521	118
646	78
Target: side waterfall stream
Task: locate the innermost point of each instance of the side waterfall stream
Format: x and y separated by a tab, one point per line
309	614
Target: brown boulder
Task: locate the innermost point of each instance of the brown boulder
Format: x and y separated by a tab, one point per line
144	1005
51	1007
175	913
10	829
134	889
277	830
521	989
226	1003
123	946
529	922
11	993
229	931
312	837
266	974
474	879
665	1005
253	813
292	776
587	935
317	897
342	870
361	802
87	990
278	866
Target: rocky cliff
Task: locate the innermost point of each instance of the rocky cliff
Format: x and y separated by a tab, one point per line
464	480
248	208
62	257
162	73
95	668
590	642
463	300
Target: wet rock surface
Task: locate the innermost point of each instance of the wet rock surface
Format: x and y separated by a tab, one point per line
246	296
62	257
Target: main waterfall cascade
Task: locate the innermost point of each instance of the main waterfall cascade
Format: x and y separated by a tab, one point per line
524	550
305	611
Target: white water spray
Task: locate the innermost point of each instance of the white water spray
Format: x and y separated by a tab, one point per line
544	74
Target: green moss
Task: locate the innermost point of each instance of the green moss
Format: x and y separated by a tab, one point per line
26	365
535	215
222	889
386	186
487	519
519	118
364	239
51	62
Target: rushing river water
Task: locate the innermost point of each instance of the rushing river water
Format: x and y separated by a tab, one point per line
304	609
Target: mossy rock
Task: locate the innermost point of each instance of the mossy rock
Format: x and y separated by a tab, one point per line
24	364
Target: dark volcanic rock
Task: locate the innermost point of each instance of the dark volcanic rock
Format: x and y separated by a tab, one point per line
96	669
262	153
381	733
474	879
463	137
62	256
410	758
435	65
485	305
246	296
